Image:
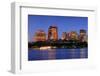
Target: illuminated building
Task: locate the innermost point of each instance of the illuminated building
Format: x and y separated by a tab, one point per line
83	36
68	36
74	35
82	32
40	35
53	33
64	35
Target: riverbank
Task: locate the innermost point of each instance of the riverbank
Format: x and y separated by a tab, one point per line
57	44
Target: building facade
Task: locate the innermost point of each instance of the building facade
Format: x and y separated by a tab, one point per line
83	36
40	35
64	36
73	35
53	33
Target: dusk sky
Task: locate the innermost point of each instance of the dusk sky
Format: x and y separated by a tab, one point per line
64	24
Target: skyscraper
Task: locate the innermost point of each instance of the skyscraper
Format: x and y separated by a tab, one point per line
40	35
83	36
74	35
64	35
53	33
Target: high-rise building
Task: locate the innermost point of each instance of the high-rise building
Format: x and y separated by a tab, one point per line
64	36
53	33
82	32
68	36
83	36
74	35
40	35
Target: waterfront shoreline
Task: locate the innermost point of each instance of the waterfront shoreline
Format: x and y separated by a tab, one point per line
55	48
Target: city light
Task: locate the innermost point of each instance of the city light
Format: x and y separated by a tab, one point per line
40	35
57	37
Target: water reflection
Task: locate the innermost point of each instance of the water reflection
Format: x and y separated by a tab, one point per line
83	54
73	53
52	54
57	54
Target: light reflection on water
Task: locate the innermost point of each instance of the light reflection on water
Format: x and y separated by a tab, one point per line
57	54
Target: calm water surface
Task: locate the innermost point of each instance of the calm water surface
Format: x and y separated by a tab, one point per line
57	54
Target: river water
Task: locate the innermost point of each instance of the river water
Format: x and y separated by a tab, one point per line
52	54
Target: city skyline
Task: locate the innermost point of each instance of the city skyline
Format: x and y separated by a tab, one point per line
64	24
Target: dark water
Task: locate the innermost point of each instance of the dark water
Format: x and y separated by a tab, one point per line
57	54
